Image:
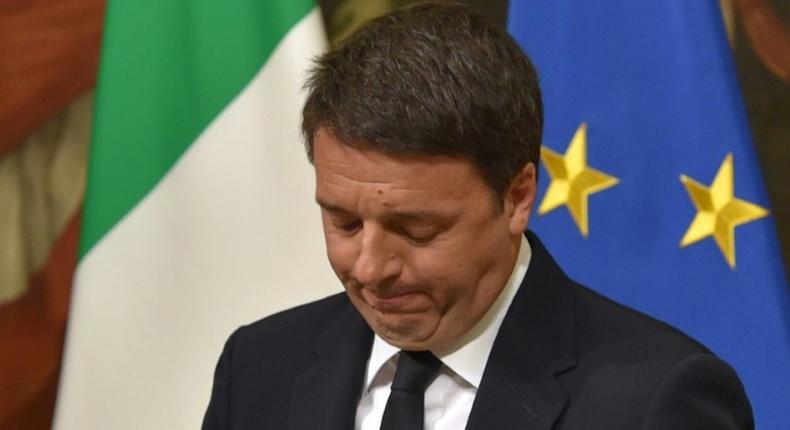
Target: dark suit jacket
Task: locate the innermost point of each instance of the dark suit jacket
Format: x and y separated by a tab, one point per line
564	358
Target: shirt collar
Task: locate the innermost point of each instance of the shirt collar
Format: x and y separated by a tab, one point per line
468	359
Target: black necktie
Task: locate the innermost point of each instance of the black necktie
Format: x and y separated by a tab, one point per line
405	408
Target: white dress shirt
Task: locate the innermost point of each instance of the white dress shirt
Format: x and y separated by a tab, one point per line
448	400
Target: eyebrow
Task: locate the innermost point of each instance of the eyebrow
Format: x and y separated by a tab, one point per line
329	206
406	215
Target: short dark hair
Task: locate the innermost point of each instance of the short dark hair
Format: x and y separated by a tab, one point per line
435	79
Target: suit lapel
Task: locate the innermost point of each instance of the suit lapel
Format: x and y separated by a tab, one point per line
326	394
536	341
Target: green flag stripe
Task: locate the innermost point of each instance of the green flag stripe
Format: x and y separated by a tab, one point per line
167	69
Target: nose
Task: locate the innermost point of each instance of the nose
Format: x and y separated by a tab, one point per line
377	264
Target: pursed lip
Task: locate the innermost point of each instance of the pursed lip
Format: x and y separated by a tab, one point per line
402	301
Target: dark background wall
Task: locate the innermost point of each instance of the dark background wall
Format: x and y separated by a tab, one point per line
765	84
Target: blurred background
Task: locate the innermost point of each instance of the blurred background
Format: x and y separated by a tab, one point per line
49	52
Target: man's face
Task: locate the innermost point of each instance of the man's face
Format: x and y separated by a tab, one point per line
420	243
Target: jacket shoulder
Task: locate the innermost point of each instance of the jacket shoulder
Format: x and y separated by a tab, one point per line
634	371
294	328
261	362
602	321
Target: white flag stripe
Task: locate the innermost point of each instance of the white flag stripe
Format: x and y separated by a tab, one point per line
229	235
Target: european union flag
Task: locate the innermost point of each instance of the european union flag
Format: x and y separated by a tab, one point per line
651	191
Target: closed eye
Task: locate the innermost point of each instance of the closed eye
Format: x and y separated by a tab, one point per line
418	237
350	227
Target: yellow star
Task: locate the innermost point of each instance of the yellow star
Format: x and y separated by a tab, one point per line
572	180
718	211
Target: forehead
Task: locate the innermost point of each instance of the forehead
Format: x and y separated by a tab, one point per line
339	165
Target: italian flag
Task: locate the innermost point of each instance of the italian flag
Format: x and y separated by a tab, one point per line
199	213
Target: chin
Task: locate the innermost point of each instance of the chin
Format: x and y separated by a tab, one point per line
408	344
414	331
405	332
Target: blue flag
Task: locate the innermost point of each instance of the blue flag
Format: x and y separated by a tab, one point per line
650	188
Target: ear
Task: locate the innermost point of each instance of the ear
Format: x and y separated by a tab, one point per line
520	197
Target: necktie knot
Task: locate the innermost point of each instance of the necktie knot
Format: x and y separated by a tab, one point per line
416	370
405	408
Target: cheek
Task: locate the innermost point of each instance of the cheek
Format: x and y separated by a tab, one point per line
453	273
442	274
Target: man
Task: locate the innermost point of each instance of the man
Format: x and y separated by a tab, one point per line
424	129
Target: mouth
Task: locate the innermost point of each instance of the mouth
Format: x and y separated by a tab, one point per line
406	302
